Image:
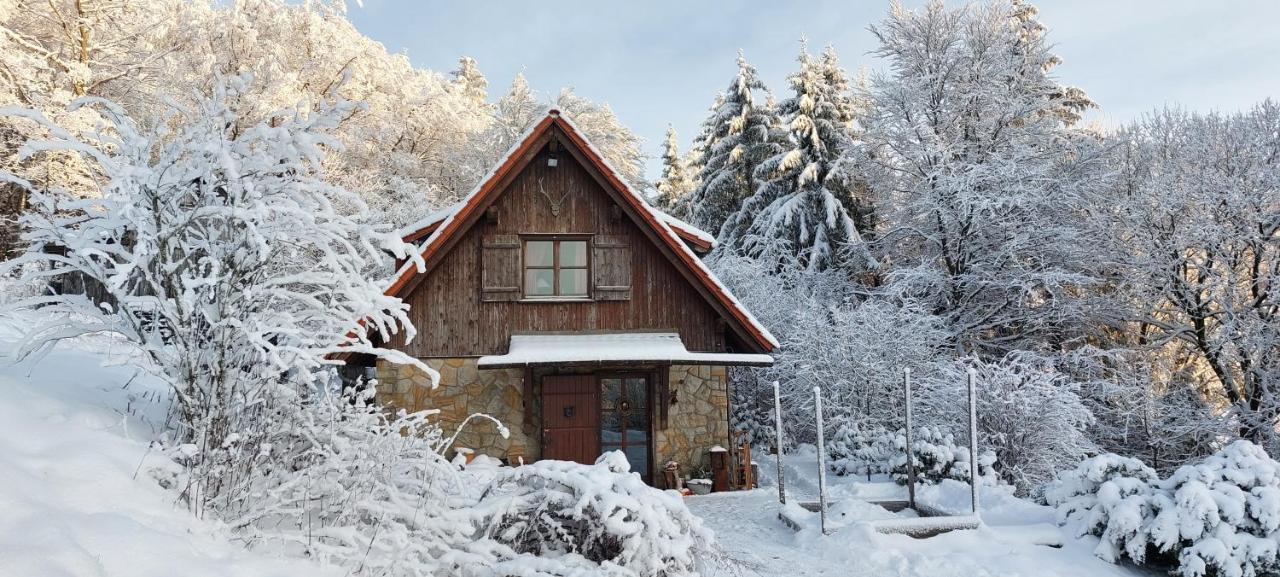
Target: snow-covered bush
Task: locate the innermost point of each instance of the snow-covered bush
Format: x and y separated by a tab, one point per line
600	517
364	488
861	450
1029	414
938	457
1109	496
1220	516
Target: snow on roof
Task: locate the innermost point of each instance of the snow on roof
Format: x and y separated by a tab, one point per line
432	219
644	347
682	226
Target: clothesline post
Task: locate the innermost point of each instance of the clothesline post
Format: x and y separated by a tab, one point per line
911	458
777	423
822	462
973	440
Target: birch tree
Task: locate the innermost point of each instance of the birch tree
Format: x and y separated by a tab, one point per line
983	177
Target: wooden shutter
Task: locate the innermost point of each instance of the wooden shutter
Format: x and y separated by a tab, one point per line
500	268
611	267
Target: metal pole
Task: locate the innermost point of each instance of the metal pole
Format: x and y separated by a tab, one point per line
973	440
911	457
777	424
822	462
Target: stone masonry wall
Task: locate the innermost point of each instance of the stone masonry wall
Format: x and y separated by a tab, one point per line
464	390
697	421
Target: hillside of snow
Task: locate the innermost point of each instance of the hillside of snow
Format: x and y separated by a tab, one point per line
75	496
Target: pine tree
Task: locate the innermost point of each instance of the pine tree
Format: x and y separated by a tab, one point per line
738	136
468	80
514	112
800	214
675	183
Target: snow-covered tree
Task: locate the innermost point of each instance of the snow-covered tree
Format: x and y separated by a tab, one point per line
742	132
471	83
54	52
1146	404
222	254
1029	414
800	215
854	350
937	456
676	183
619	145
1193	227
981	181
514	113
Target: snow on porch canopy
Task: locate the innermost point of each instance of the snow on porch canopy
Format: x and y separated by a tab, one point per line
610	348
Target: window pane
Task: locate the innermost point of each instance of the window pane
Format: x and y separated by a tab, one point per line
638	457
538	253
539	282
610	393
637	392
573	282
573	253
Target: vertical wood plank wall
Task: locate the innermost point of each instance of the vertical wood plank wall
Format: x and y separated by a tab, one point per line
452	321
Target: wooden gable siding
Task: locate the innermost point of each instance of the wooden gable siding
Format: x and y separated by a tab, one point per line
452	320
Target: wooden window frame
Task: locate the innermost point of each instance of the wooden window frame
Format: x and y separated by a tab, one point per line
555	267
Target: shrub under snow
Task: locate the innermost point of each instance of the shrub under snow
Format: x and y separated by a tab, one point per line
601	519
861	450
938	457
1109	495
1217	517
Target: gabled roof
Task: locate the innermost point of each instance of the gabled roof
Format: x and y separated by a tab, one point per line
442	229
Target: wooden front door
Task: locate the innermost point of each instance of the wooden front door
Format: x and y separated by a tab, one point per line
571	418
625	423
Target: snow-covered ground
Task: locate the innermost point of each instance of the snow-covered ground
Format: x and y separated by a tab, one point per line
76	499
747	527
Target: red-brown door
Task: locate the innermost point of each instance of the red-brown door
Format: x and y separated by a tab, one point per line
571	418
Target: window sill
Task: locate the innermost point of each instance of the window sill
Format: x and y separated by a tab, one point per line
555	300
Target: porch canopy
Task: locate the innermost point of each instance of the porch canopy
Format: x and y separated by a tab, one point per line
610	348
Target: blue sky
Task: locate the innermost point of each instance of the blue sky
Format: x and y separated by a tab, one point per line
663	62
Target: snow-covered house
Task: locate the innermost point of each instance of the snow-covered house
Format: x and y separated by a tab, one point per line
555	299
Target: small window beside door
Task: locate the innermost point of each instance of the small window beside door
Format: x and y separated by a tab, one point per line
556	268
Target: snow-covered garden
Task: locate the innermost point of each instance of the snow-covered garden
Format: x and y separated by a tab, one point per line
200	222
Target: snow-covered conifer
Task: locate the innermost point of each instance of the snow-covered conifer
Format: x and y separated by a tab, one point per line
676	183
799	215
741	133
